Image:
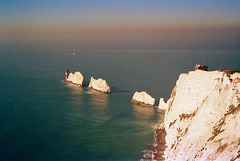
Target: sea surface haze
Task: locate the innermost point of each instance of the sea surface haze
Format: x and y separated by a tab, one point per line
44	118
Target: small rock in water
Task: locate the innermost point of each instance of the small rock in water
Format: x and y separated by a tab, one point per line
148	154
100	85
162	107
76	78
143	98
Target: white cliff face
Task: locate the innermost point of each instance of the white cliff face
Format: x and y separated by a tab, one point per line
99	84
162	107
143	97
203	117
76	78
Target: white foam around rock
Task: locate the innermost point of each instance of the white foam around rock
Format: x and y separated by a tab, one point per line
99	84
143	97
76	78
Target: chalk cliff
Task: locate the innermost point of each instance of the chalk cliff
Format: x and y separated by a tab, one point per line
202	120
76	78
143	97
99	84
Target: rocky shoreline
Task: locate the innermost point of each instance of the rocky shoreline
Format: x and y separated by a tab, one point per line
160	143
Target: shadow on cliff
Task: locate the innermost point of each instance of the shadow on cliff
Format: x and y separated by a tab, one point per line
156	103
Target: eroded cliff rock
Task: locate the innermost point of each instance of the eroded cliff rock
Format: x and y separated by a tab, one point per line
162	107
99	84
202	120
76	78
143	98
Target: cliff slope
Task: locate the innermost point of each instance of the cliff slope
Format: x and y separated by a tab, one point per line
203	117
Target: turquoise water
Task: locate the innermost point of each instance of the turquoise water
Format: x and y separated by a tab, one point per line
43	118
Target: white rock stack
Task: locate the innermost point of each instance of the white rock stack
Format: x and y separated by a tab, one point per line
143	98
162	107
99	84
203	118
76	78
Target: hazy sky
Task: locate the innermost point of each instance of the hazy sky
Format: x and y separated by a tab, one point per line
115	24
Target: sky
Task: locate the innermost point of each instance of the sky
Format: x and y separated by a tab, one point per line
125	24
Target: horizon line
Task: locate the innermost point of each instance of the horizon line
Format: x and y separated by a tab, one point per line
117	49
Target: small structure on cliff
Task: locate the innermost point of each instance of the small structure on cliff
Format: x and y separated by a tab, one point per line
201	67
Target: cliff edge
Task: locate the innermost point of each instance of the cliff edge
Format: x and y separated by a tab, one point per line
202	120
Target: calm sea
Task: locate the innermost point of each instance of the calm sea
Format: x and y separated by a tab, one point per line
43	118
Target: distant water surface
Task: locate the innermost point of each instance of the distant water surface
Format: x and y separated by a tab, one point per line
44	118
